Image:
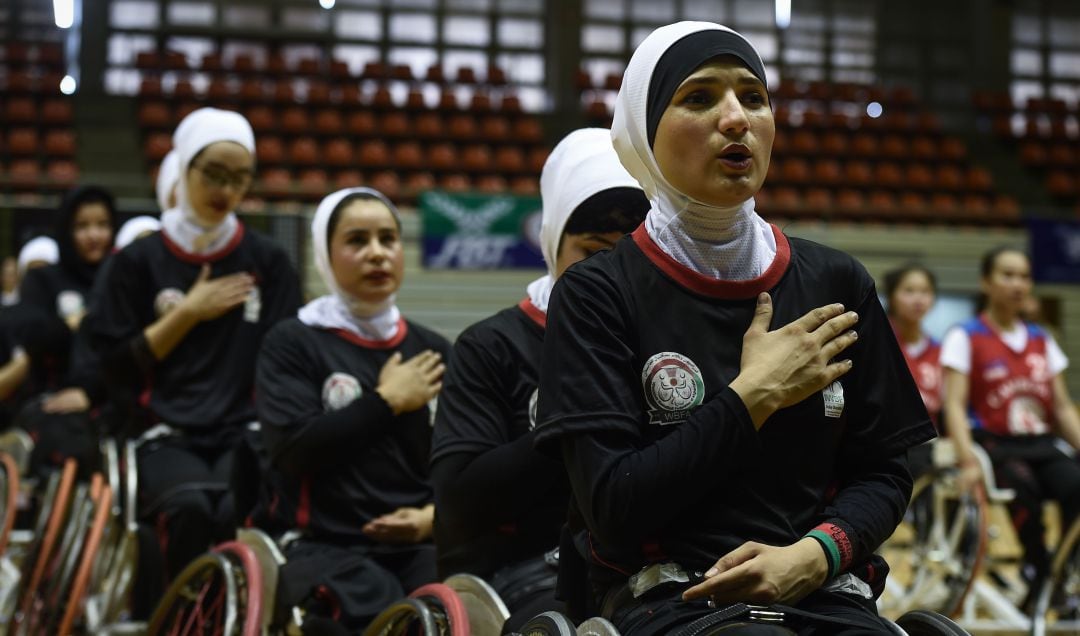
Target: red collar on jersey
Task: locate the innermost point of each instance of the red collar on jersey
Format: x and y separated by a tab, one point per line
199	259
403	328
709	286
533	312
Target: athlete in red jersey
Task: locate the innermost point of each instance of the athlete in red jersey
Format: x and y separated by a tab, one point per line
1004	389
911	291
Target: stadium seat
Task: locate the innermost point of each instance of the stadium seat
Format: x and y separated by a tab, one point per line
858	173
408	156
348	179
304	151
476	158
318	94
62	173
20	110
414	101
156	146
395	124
373	153
381	99
60	143
183	89
388	183
23	141
511	104
462	127
455	182
888	175
492	184
442	156
509	160
269	151
527	130
361	124
525	186
428	126
338	153
294	120
262	119
24	174
827	172
418	182
919	177
329	122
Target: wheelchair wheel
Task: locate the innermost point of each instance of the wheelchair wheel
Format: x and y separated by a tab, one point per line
202	600
926	623
399	618
487	612
549	624
597	627
249	585
270	559
9	490
87	561
1058	603
450	605
937	550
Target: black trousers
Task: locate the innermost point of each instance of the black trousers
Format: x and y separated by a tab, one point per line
1038	469
350	584
528	589
58	437
184	495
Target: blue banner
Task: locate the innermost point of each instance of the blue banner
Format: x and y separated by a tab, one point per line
1055	250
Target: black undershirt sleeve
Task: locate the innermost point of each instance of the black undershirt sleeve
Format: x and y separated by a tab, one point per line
627	492
475	492
34	291
326	441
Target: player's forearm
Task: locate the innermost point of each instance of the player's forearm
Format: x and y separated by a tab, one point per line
167	332
865	512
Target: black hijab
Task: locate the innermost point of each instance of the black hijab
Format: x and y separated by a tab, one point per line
64	232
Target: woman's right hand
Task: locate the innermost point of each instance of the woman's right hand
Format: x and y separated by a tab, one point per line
785	366
208	299
970	475
408	386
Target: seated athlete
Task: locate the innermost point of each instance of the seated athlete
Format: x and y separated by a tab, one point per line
731	405
345	396
500	505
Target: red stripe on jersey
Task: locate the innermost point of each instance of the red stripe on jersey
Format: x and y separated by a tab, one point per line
534	313
925	369
303	508
403	328
1010	393
199	259
709	286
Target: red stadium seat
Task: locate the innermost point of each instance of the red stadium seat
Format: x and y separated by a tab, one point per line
804	142
442	156
262	119
953	149
57	112
888	175
864	145
510	104
395	124
60	143
447	100
537	157
894	147
834	143
304	152
476	158
818	201
462	127
919	177
62	173
597	110
401	73
850	202
275	182
329	122
527	130
388	183
979	180
949	178
976	205
156	146
525	186
174	61
284	93
913	205
509	160
244	63
419	182
147	61
465	75
795	171
361	124
492	184
373	154
211	63
313	183
251	90
23	141
480	103
294	121
435	74
20	110
924	148
415	100
781	143
219	92
408	156
275	66
318	94
613	81
582	80
338	152
827	172
1033	154
308	67
428	126
944	204
1005	208
183	89
1061	184
150	87
25	174
348	179
496	76
881	204
456	182
1062	155
269	151
350	97
858	173
381	99
374	70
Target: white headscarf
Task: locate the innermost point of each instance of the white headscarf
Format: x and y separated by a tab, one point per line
42	249
584	163
723	243
133	228
197	131
339	309
167	178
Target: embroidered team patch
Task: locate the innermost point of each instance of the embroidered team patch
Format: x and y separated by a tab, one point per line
69	303
167	300
253	305
834	399
673	387
339	390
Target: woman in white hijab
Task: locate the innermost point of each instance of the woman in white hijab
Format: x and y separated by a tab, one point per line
167	179
718	461
487	476
345	393
188	307
134	229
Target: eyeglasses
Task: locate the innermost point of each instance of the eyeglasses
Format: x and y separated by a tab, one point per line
220	178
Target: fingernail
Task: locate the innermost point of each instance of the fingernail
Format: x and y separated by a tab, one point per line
854	315
849	363
762	298
854	334
711	572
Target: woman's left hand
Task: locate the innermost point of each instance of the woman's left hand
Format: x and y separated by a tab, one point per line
404	525
764	574
71	400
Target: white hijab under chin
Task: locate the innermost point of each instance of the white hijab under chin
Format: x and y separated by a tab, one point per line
584	163
339	309
198	130
726	243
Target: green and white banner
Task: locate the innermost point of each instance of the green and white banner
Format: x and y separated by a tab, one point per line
479	231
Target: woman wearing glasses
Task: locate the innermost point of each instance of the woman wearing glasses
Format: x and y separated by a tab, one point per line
187	307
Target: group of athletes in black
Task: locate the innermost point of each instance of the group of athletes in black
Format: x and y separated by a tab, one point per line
688	414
